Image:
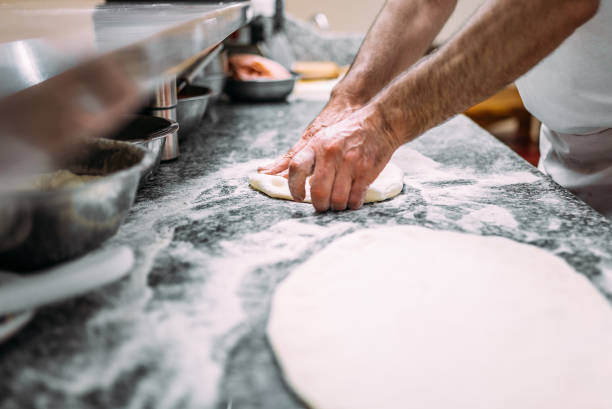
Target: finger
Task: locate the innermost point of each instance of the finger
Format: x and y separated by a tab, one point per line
283	163
358	192
321	183
342	189
278	166
300	168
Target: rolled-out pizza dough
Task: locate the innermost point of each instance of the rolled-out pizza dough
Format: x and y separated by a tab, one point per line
388	184
408	317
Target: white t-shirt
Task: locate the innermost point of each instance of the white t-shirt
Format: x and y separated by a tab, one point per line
571	90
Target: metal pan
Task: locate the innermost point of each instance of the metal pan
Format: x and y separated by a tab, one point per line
192	103
151	133
262	90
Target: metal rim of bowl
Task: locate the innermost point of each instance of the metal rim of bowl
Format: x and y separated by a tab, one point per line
172	126
209	93
294	77
147	160
162	133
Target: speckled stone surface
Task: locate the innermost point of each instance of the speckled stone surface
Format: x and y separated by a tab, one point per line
187	329
308	44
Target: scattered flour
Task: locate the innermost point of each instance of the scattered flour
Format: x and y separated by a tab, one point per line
488	215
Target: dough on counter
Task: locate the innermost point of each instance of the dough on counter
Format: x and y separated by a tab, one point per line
387	185
407	317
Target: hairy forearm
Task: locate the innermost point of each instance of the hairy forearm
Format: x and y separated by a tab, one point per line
401	35
501	42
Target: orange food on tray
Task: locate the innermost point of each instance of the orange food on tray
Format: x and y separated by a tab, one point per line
247	67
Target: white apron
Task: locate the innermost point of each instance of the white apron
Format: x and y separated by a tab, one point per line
580	163
570	91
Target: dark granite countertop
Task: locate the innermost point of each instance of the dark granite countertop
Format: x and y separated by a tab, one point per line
186	330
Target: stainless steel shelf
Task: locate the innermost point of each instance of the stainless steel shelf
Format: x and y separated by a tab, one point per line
40	39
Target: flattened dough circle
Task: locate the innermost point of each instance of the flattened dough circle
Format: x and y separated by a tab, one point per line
407	317
387	185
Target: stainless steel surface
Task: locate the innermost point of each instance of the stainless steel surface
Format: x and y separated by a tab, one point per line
214	75
22	293
188	76
164	94
218	66
10	325
42	228
191	107
150	132
260	90
40	39
215	82
171	148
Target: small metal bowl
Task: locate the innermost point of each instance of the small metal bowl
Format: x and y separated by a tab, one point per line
262	90
151	133
42	228
216	82
192	103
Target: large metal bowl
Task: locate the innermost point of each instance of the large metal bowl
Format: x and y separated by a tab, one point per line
262	90
151	133
42	228
192	103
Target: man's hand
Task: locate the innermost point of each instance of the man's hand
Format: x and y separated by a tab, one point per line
334	112
343	159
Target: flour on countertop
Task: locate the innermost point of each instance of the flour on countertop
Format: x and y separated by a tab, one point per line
187	328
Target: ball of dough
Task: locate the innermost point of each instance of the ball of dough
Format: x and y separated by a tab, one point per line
387	185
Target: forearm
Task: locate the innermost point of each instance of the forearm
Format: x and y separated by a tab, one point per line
501	42
401	35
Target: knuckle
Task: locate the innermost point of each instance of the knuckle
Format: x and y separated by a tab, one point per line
332	149
294	166
351	157
361	166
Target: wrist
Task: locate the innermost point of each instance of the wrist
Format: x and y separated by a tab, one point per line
378	118
401	112
349	94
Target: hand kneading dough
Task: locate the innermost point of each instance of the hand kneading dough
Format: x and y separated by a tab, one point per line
407	317
387	185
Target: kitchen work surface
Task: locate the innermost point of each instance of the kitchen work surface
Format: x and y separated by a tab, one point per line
187	329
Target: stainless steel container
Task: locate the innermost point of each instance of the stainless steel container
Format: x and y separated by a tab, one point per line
163	105
216	82
192	103
261	90
151	133
42	228
214	75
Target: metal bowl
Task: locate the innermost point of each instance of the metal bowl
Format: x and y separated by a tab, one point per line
192	103
216	82
42	228
151	133
260	90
